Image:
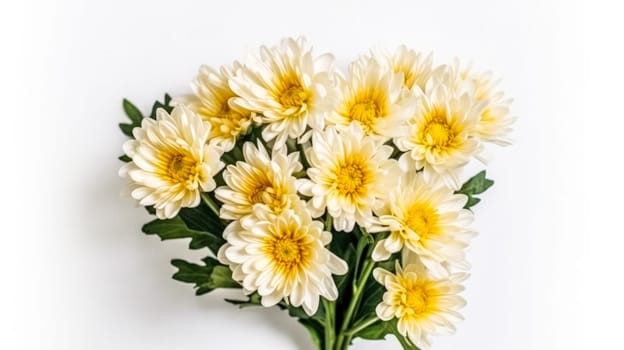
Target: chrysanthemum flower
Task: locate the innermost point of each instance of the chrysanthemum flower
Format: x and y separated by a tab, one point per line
373	96
426	218
212	99
494	120
441	134
171	162
260	179
282	256
349	174
415	67
423	305
289	87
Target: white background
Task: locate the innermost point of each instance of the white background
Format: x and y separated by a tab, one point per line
78	274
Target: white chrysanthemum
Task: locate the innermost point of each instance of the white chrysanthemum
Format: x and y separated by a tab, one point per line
494	119
415	67
373	95
213	100
349	174
426	218
282	256
289	87
171	162
260	179
440	139
423	305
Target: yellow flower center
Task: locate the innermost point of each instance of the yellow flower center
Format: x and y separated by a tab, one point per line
422	219
366	106
290	251
286	251
438	133
229	122
265	193
365	112
293	96
181	168
351	177
414	300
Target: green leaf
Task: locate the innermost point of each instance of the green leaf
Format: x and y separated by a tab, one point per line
124	158
254	135
298	312
373	292
202	218
342	245
390	264
342	282
472	201
135	116
380	329
222	277
126	129
376	331
316	331
176	228
475	185
150	209
166	105
252	300
206	278
132	112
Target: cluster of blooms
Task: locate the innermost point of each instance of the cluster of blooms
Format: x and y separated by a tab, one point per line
380	146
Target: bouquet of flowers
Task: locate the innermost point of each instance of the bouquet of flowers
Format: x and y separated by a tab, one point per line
337	197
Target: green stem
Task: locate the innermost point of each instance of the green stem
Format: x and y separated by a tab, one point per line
362	325
210	203
302	156
404	341
328	222
344	338
330	330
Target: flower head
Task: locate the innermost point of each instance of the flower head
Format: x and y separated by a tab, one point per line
428	219
282	256
289	87
415	67
213	100
260	179
494	120
349	175
373	96
423	305
171	162
441	134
